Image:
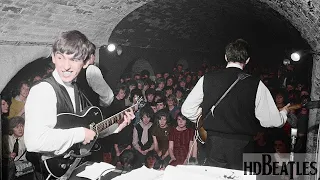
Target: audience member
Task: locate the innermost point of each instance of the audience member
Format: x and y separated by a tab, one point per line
160	135
142	138
181	142
17	103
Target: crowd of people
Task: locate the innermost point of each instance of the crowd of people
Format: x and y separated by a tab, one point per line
160	134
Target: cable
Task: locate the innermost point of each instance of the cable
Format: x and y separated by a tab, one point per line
99	178
194	141
317	152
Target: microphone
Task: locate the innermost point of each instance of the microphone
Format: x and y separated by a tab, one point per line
293	142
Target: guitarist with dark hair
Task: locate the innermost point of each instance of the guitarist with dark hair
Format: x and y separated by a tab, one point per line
58	96
246	108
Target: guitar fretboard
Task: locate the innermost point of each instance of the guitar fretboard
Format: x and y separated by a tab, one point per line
113	119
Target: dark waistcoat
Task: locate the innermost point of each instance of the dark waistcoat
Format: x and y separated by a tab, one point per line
82	82
234	117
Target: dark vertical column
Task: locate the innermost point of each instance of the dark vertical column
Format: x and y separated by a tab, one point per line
314	117
1	143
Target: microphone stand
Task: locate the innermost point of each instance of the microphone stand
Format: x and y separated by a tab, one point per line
293	142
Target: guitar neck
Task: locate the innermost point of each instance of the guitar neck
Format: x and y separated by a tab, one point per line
113	119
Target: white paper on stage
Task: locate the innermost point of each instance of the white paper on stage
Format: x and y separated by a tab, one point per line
142	173
204	172
95	170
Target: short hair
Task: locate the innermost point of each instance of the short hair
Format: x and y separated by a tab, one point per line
17	92
162	113
168	88
180	89
135	92
160	80
147	81
160	94
189	124
148	111
282	93
139	81
14	122
170	77
132	82
237	51
127	158
145	73
173	98
183	79
22	83
152	103
182	116
150	91
123	87
92	48
161	100
152	154
72	42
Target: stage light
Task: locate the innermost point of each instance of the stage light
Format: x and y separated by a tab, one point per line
111	47
295	56
286	62
119	50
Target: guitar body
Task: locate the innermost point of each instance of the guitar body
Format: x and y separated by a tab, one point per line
58	165
201	133
91	118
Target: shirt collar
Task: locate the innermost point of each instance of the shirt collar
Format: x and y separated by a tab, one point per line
145	126
232	64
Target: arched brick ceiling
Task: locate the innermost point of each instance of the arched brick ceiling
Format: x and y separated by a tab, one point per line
205	24
208	26
37	22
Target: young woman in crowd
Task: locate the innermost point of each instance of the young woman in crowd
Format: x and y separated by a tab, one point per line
160	135
142	138
181	142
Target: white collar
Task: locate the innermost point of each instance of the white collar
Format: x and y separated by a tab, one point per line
232	64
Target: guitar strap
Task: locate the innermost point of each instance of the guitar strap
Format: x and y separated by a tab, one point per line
241	76
81	99
72	167
76	97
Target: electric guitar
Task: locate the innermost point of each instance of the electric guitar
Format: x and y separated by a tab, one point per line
201	133
91	118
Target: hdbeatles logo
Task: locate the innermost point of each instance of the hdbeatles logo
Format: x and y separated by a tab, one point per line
278	165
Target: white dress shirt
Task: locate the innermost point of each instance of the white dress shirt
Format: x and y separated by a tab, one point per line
99	85
41	118
266	110
21	152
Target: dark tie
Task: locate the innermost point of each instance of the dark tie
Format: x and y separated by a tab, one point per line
16	147
77	97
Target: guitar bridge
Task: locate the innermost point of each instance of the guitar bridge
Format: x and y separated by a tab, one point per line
68	154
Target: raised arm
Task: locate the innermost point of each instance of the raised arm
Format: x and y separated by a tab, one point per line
266	110
99	85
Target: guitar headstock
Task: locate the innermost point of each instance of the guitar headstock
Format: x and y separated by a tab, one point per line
140	102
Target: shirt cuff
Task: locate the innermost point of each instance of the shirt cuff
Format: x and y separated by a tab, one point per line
283	116
79	134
